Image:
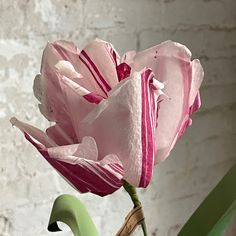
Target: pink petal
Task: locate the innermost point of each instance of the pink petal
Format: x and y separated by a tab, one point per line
65	68
129	57
197	78
196	104
151	57
59	133
58	103
86	175
123	71
38	135
171	63
87	149
47	88
97	63
56	54
61	105
81	92
64	50
124	124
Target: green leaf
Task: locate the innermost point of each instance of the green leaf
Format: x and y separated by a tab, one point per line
224	221
69	210
216	211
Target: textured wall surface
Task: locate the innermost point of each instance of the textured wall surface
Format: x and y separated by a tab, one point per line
28	185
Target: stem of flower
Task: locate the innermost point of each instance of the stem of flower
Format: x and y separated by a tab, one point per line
134	197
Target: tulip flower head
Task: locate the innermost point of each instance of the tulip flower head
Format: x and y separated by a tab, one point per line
114	118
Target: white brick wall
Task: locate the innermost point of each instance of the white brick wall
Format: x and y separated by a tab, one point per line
28	185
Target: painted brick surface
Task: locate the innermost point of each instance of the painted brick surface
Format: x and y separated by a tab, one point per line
28	185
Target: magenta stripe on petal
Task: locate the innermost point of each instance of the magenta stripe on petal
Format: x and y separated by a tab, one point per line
154	111
117	168
123	71
147	130
150	157
97	179
142	179
114	56
93	98
85	63
109	176
108	88
82	178
196	104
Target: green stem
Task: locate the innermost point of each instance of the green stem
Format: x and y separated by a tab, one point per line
134	197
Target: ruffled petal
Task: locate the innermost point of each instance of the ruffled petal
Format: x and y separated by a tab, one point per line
65	50
86	175
171	64
124	124
100	177
48	90
63	65
58	103
89	176
87	149
38	135
197	78
196	104
97	63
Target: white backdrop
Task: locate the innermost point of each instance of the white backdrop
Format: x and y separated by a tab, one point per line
28	185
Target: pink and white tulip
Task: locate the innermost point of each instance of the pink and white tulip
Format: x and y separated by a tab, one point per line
171	63
112	121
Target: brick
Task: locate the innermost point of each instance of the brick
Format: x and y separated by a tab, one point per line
208	125
197	162
122	14
205	43
218	96
122	41
219	71
183	13
213	150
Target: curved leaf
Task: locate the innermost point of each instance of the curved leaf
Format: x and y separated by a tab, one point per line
69	210
224	221
216	211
